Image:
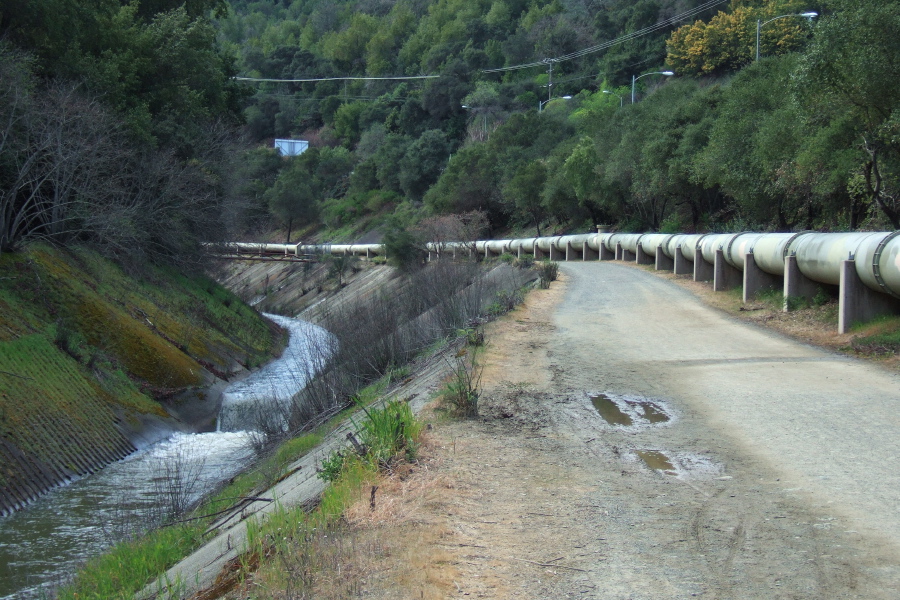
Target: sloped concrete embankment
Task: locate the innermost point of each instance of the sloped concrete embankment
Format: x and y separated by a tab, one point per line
95	363
207	567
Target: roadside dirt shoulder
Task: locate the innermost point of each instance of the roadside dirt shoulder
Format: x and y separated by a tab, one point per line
733	476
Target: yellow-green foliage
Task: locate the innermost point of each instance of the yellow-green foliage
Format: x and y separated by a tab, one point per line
121	573
84	348
346	490
728	40
50	411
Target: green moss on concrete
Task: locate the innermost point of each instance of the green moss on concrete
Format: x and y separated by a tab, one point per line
85	348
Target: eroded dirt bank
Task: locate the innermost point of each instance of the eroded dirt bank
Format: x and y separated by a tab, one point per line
783	456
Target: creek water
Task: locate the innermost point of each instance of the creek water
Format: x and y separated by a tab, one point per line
42	545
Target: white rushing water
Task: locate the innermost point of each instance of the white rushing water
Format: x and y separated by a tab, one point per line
44	543
265	395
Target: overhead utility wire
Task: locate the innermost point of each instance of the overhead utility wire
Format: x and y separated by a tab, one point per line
315	99
625	38
619	40
335	79
653	28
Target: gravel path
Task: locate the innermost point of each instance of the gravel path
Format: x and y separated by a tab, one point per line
827	424
775	463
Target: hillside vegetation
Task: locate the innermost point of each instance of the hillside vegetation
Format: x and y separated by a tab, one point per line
123	125
804	138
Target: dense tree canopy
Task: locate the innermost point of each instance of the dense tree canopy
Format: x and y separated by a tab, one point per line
115	124
805	137
783	143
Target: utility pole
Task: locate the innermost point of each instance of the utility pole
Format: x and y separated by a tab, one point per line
550	81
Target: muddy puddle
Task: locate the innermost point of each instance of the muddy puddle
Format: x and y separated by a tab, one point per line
628	411
683	465
657	461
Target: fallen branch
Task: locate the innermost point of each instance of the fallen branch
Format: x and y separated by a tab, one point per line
243	503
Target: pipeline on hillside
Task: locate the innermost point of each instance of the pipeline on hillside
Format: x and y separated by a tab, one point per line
863	268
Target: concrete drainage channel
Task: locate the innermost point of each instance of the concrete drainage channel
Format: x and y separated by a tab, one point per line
634	413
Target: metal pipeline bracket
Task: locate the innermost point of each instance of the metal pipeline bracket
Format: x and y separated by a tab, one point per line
787	246
876	264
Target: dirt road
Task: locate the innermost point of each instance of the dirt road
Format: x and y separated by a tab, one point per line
753	466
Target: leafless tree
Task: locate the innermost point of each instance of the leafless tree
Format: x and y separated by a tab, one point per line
69	171
386	330
465	228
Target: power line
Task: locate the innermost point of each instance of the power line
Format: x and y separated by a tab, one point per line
619	40
335	79
319	99
577	54
559	81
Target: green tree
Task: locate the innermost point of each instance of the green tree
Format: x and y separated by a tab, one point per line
347	48
401	246
422	163
469	183
388	158
753	144
162	71
850	78
293	198
524	193
581	170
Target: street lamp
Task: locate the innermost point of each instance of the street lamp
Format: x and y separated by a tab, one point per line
621	99
541	104
760	24
633	79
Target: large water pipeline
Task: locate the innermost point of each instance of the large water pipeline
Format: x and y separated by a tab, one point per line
43	544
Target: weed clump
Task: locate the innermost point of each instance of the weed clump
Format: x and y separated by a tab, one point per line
385	436
547	272
880	338
525	261
505	301
462	391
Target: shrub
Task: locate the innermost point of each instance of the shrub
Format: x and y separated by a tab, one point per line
383	434
389	431
474	336
332	466
547	271
463	390
506	300
524	262
402	248
821	298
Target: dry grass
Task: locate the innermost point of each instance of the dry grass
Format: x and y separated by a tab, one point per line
409	518
389	551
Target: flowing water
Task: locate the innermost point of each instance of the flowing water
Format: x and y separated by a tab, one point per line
43	544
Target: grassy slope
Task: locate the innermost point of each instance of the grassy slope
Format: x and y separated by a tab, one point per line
87	353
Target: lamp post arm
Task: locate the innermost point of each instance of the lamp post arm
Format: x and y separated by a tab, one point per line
634	79
760	24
